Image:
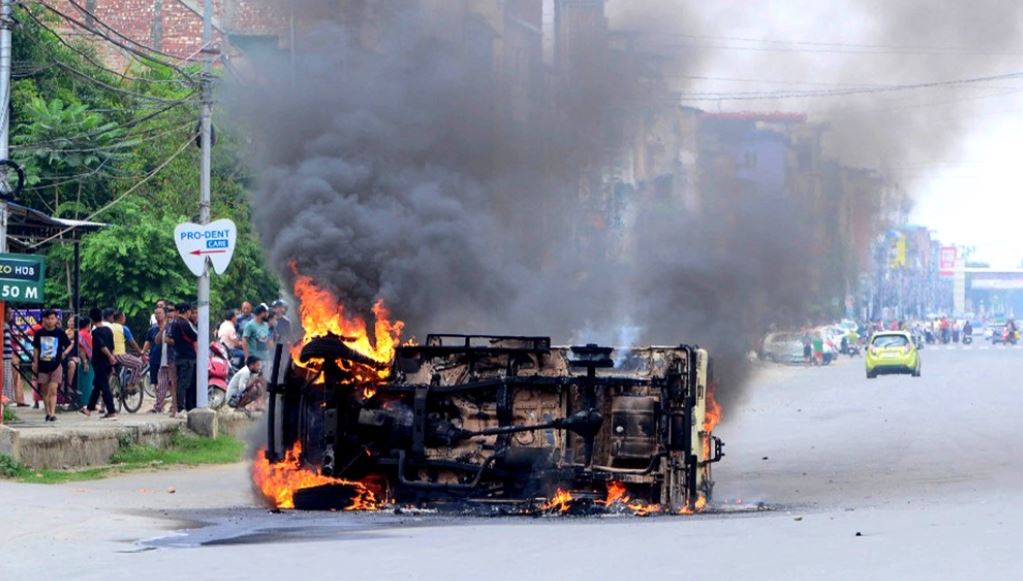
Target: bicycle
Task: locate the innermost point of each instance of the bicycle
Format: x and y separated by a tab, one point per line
128	399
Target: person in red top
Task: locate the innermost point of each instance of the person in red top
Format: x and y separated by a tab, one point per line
36	388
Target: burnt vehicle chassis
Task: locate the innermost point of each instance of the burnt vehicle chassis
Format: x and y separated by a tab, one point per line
492	420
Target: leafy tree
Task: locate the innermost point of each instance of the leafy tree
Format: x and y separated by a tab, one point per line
115	147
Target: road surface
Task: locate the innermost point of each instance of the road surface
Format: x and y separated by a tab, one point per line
892	478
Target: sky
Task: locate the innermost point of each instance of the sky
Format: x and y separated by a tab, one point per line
954	148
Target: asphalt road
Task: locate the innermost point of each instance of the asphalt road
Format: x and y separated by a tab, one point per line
892	478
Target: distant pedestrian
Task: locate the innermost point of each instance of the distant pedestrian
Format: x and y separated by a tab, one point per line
152	349
168	376
12	377
51	346
184	337
86	372
103	362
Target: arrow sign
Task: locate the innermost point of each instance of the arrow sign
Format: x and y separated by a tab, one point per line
215	240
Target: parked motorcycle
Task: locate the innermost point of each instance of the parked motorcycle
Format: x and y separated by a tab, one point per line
219	370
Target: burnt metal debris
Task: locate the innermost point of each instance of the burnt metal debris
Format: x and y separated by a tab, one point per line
499	420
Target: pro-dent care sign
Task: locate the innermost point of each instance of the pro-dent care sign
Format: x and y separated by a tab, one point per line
215	241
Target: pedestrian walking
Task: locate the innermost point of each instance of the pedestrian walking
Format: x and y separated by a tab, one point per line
103	362
184	337
51	346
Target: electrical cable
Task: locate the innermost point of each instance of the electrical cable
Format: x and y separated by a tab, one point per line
69	69
99	132
106	37
92	60
97	20
763	95
124	195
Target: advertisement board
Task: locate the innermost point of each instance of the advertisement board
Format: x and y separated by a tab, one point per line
947	260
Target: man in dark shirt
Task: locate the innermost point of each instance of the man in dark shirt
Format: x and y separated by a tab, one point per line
103	361
184	336
51	346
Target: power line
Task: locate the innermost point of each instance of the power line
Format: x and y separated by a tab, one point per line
116	32
131	141
801	46
139	53
124	195
71	70
89	57
102	131
839	92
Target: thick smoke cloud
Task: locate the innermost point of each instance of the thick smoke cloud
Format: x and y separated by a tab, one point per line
395	168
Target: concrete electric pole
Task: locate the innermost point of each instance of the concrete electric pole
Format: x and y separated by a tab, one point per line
206	141
6	22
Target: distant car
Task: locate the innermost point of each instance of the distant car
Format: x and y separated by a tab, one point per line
892	352
784	348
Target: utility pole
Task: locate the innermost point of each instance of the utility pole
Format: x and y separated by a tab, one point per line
6	22
205	123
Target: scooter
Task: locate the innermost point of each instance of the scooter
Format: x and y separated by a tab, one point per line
967	338
219	370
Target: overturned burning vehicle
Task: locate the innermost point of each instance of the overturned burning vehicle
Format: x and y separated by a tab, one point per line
495	423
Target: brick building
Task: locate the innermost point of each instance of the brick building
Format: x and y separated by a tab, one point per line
174	27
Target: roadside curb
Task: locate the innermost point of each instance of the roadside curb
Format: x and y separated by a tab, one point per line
95	445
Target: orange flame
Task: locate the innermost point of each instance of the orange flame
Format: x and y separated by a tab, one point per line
711	418
616	492
701	504
321	314
279	481
561	501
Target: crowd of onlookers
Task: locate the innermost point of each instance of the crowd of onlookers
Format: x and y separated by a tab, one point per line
82	355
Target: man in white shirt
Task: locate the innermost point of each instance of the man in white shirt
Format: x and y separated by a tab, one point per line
247	386
227	334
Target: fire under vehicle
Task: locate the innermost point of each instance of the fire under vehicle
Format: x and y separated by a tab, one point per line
488	421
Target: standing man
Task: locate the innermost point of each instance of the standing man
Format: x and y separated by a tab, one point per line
167	380
51	346
184	337
256	337
103	362
152	349
245	316
282	335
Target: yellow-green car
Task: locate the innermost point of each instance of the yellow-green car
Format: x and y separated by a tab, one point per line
892	352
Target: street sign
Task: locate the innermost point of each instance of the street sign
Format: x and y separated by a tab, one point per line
947	260
22	278
215	241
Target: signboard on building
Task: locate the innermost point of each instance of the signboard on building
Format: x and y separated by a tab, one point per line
22	277
947	260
